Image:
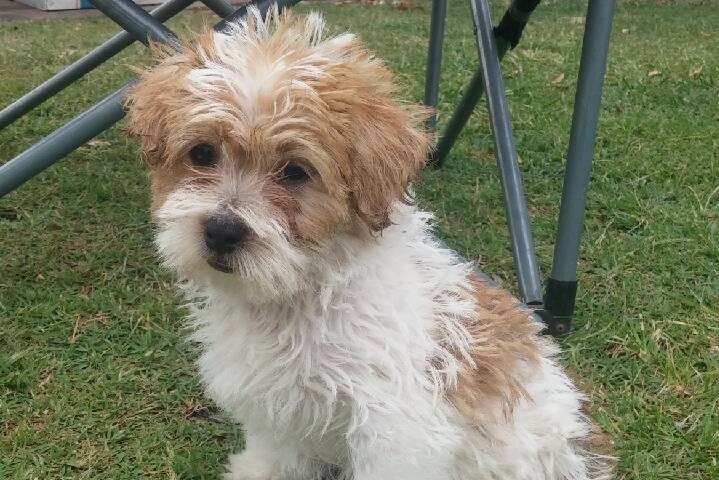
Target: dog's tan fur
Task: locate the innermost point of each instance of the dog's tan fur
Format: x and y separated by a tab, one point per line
504	345
329	107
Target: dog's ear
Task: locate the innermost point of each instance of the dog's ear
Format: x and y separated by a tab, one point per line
390	149
390	143
152	101
147	111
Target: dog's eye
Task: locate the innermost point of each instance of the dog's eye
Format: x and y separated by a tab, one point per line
293	174
203	155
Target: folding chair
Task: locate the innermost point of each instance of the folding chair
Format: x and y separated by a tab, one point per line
556	306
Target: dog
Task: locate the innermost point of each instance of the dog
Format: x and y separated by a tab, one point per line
347	340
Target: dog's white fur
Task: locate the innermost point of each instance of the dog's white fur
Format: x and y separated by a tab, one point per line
338	359
339	375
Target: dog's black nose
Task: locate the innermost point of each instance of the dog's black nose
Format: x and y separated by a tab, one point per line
224	235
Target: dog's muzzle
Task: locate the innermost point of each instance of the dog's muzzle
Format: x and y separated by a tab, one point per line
223	236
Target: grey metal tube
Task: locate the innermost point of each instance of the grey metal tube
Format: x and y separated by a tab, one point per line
85	64
82	128
434	58
62	141
506	35
220	7
462	112
588	97
136	21
520	232
94	120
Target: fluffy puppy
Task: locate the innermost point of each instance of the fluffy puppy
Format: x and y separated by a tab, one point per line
347	341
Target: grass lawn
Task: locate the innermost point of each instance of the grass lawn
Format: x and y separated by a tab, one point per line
96	381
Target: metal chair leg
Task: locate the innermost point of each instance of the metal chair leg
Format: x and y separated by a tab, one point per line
507	35
135	20
562	284
434	58
515	204
220	7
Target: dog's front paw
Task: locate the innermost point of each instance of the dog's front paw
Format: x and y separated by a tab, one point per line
247	466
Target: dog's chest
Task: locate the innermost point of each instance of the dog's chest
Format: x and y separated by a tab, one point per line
315	367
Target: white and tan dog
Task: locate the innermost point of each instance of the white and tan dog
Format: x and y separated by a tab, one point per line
347	341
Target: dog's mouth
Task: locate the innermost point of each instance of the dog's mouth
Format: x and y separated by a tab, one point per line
220	263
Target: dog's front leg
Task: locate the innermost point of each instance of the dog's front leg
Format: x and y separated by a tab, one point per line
264	458
400	448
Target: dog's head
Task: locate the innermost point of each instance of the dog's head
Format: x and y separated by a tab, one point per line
267	142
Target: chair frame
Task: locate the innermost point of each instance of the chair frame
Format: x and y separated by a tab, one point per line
555	305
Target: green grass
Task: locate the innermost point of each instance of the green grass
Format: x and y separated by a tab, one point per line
96	382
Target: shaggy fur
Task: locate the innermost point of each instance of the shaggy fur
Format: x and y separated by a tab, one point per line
345	339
